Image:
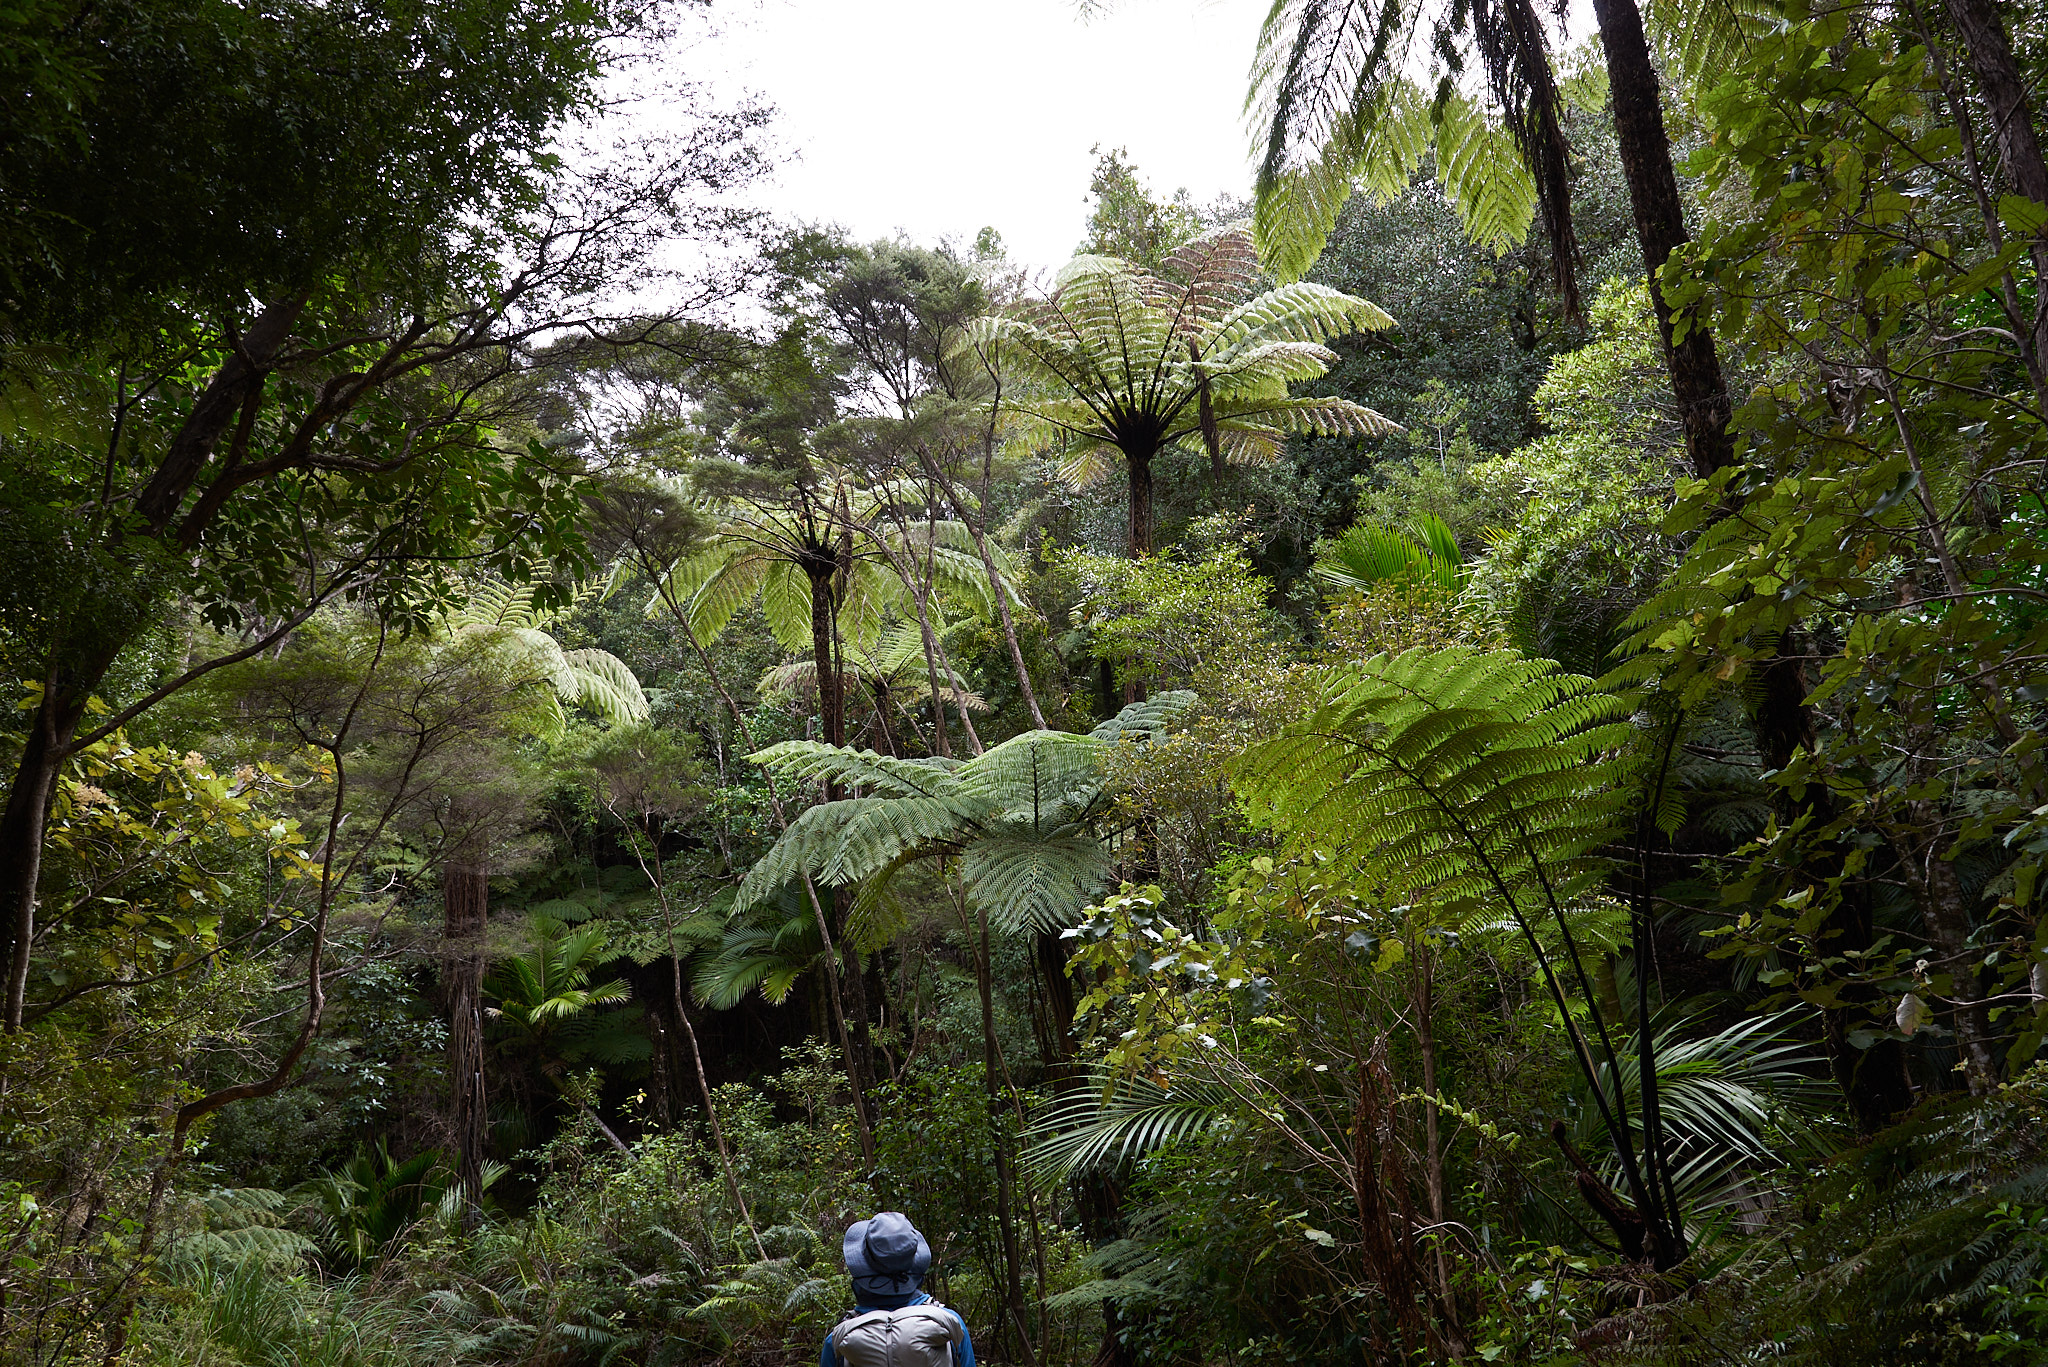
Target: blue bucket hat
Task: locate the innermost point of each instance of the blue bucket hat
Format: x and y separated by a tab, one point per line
886	1256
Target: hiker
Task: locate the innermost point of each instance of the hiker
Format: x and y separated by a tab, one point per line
893	1324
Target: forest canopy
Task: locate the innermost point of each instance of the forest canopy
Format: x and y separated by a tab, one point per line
1440	760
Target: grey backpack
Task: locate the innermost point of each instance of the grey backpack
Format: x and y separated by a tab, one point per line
915	1336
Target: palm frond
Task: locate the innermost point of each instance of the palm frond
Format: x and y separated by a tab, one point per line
1117	1119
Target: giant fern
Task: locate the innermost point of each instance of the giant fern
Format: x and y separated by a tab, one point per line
1021	819
1331	105
1480	784
593	679
1121	363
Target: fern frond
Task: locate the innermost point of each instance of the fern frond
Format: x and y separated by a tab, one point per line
1036	884
1482	170
812	760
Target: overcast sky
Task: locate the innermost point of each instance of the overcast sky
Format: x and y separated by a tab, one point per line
939	117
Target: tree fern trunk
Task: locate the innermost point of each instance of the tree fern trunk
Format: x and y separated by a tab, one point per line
465	902
831	707
1140	521
1695	366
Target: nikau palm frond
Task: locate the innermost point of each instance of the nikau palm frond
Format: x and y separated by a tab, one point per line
1366	556
1121	1117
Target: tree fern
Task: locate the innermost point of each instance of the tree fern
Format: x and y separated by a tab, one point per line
1122	362
1330	105
1478	783
593	679
1020	818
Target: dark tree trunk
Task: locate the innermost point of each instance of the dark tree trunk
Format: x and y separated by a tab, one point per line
831	705
1695	366
1874	1080
885	734
2012	121
1140	521
1051	952
466	910
23	822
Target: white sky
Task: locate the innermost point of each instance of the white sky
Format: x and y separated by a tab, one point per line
938	117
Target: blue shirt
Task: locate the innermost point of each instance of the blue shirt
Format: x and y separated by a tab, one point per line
963	1351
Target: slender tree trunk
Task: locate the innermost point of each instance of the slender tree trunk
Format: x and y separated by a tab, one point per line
996	583
862	1125
682	1010
1432	1149
2012	124
21	837
1695	366
465	901
1013	1281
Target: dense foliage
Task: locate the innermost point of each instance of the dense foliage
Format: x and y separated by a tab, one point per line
1443	763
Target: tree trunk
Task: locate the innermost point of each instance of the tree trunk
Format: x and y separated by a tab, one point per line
1695	366
1013	1281
995	584
1947	914
884	733
732	1181
1051	953
831	706
1874	1080
2012	122
1433	1151
1140	519
466	909
23	823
